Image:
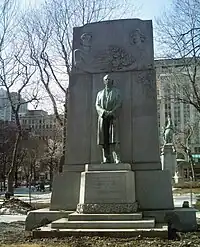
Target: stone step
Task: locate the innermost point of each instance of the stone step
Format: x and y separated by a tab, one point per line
104	217
64	223
160	230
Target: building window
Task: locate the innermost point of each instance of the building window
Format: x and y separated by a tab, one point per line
197	149
185	171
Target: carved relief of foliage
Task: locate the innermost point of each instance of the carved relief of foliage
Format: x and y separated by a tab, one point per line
115	58
119	58
107	208
147	81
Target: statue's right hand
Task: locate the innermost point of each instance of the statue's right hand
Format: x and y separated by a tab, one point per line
105	114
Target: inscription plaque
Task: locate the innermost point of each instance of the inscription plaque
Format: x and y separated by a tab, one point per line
109	187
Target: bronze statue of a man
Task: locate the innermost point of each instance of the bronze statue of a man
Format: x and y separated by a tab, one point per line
169	131
108	104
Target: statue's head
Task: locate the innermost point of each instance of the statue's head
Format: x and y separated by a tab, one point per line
108	81
169	119
169	122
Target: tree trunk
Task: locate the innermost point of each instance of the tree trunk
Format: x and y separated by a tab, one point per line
27	181
34	174
10	188
62	160
51	177
4	174
192	170
16	176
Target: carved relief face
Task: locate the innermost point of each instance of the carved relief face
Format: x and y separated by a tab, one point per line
86	39
136	37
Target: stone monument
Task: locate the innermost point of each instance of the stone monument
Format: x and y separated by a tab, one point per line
100	50
109	195
168	155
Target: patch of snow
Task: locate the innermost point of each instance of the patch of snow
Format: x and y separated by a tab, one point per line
179	199
12	218
22	193
198	214
10	211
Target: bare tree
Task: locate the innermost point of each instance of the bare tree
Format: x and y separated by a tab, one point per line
52	154
34	149
183	141
49	34
16	74
7	139
179	38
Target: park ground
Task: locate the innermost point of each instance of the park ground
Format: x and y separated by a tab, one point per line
13	235
12	230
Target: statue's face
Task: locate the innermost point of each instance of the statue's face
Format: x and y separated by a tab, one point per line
108	81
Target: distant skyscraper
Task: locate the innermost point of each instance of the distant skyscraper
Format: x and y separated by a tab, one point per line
6	113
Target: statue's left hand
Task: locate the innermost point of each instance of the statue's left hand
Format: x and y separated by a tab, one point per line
109	113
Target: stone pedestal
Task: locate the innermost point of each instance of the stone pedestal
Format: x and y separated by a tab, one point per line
66	186
107	188
154	190
168	159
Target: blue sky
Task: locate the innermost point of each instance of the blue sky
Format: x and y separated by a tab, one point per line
149	8
152	8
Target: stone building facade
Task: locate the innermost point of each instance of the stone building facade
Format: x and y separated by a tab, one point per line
173	83
41	124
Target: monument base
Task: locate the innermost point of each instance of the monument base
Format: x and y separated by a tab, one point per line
42	217
112	198
107	208
168	159
154	190
66	187
107	188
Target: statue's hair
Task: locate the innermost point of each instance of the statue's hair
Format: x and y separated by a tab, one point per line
107	76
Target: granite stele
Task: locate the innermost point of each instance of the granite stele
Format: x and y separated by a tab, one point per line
127	193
